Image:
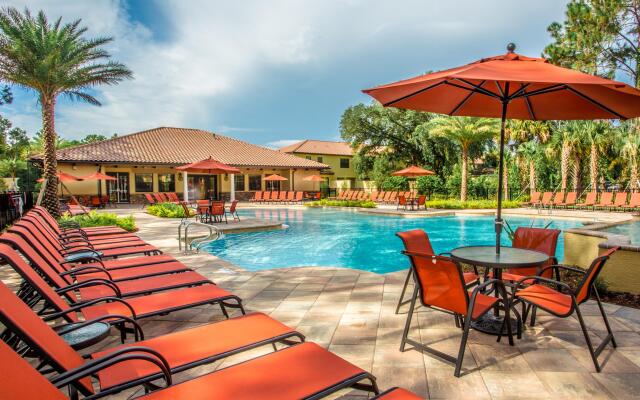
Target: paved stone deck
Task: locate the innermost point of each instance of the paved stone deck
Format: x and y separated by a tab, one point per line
351	313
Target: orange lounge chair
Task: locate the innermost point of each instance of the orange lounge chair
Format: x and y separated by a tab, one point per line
569	201
392	198
157	197
291	197
299	197
55	306
634	202
535	199
70	226
257	196
620	200
402	202
566	301
422	201
546	200
374	196
606	201
589	201
440	285
267	197
558	199
386	197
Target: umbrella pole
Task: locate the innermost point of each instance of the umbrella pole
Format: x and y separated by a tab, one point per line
498	221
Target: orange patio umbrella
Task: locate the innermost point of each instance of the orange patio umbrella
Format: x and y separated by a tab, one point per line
413	171
512	86
98	176
275	177
209	166
313	178
63	177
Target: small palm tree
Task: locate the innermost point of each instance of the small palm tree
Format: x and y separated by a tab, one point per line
53	59
629	145
530	152
466	132
568	140
599	137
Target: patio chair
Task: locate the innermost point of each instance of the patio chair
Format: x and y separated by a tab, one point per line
421	201
266	197
392	198
233	210
546	200
417	241
385	198
569	201
374	196
89	267
92	231
164	197
535	198
558	199
106	202
202	211
634	202
590	200
352	195
291	196
95	201
218	212
620	201
158	198
606	201
186	212
402	202
283	197
299	197
257	197
566	301
440	285
55	307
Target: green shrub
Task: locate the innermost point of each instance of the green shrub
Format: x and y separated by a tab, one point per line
429	184
395	183
167	210
454	204
94	218
342	203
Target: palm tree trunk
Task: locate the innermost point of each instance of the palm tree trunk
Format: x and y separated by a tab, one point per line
464	172
634	175
593	167
576	173
50	199
505	183
564	165
532	177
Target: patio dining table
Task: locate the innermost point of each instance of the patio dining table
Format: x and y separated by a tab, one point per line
509	257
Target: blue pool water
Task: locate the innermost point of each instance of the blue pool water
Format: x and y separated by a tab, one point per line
332	238
630	229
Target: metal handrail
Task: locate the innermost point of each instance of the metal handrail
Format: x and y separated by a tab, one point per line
214	234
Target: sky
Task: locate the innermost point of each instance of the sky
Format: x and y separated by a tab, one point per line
273	72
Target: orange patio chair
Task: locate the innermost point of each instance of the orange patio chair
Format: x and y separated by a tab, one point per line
422	201
392	197
402	202
590	200
569	201
95	201
218	212
620	200
150	200
257	196
233	210
535	199
283	197
417	241
299	197
386	197
634	202
361	195
374	196
202	211
566	301
291	197
266	197
606	201
440	285
157	197
558	199
546	200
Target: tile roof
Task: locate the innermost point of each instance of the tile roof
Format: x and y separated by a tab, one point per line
177	146
319	147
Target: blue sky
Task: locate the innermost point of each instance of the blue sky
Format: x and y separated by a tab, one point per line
273	72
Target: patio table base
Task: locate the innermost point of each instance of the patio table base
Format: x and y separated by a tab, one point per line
491	324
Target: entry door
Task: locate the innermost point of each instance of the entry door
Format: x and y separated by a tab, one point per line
118	190
203	187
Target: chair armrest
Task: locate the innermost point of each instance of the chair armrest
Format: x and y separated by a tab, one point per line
90	283
87	269
80	306
86	258
521	281
80	254
565	267
126	354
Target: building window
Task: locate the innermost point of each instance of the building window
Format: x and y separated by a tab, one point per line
239	183
255	182
320	159
166	182
344	163
307	157
144	183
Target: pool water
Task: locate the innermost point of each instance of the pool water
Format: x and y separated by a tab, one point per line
630	229
333	238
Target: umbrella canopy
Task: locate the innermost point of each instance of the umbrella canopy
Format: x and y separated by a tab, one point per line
275	177
98	176
512	86
313	178
209	166
63	177
413	171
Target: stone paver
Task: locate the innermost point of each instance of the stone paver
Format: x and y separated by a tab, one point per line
351	312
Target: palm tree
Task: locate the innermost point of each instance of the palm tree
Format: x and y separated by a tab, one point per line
568	140
529	151
53	59
598	137
466	132
629	144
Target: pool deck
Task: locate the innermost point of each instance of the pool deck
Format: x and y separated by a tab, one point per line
351	312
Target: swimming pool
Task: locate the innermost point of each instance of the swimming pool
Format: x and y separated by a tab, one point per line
630	229
336	238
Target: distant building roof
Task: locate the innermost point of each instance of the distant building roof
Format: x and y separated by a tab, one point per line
177	146
319	147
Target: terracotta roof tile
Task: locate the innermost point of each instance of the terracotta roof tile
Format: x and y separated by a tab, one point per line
177	146
319	147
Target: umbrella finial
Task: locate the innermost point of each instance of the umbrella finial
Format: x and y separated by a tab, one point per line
511	47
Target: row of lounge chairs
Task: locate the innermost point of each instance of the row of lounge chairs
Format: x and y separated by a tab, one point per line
170	197
76	277
622	201
282	197
385	197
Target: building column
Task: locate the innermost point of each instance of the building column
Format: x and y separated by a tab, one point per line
185	187
291	182
232	182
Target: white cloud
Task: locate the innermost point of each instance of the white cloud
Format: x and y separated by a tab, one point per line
276	144
214	50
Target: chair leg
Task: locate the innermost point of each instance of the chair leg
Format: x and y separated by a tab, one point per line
605	319
533	315
583	326
404	290
463	345
407	325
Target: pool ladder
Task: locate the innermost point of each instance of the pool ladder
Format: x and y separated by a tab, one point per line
183	235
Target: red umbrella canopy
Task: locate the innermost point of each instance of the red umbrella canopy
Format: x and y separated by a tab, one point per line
98	176
413	171
314	178
275	177
533	88
209	166
63	177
